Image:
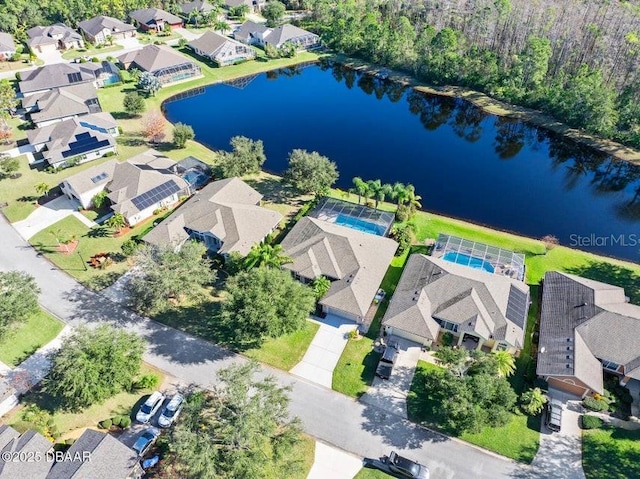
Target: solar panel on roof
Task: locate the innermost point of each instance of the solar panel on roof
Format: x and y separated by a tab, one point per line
93	127
99	177
84	145
517	306
154	195
74	77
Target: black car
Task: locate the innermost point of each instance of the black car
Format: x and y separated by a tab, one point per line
388	360
398	466
553	415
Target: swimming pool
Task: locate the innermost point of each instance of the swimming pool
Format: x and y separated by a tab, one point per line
195	177
112	80
360	225
467	260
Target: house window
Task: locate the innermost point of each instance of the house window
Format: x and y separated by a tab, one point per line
610	365
446	325
501	347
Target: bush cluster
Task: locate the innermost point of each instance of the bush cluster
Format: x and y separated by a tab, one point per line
591	422
596	405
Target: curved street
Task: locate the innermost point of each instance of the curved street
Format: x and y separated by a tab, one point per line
361	429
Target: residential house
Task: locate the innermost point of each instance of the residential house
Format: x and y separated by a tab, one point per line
61	104
155	19
225	215
97	455
54	37
586	327
58	75
195	9
253	5
435	295
7	46
136	187
29	444
353	260
98	30
259	34
77	140
163	62
221	50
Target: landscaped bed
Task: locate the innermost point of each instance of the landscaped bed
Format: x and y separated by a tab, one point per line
27	337
518	440
611	453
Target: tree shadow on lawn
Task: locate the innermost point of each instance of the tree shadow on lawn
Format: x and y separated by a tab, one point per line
275	190
612	274
131	140
98	232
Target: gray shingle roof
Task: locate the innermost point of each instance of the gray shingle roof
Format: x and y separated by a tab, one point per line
30	443
201	6
109	459
57	75
40	35
210	43
63	102
582	320
354	260
154	57
95	25
474	299
149	16
228	209
6	42
247	29
7	434
284	33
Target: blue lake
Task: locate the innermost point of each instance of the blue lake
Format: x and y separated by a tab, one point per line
462	161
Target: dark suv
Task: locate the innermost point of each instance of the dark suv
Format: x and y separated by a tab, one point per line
553	416
388	360
398	466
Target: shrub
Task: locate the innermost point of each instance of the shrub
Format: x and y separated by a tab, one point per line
129	247
147	381
591	422
353	334
181	134
116	421
596	405
403	213
447	339
95	60
106	424
126	422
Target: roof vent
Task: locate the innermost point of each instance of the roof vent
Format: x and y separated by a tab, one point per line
542	350
568	356
581	305
569	348
568	366
568	340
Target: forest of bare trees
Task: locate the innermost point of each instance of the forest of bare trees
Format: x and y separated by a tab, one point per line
576	59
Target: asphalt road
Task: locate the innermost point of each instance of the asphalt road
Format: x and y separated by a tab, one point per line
331	417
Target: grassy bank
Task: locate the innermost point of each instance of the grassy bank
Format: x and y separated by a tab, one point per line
22	341
286	351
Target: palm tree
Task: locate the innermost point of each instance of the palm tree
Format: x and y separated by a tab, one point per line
378	190
99	199
267	255
116	221
222	26
506	363
399	193
320	286
533	401
413	199
43	189
360	187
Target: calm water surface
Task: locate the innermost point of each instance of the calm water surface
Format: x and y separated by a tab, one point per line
462	161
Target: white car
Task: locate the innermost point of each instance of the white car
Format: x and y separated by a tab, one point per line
171	411
150	407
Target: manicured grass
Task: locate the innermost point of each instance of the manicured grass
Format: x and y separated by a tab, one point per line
122	404
303	453
25	339
356	367
365	473
91	241
611	453
517	440
90	52
286	351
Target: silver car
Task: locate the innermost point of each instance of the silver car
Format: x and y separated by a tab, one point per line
171	411
150	407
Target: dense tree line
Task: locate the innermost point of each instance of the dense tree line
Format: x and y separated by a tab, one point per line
577	60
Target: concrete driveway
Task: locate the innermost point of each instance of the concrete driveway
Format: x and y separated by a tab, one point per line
560	453
51	57
48	214
334	463
325	350
391	394
186	34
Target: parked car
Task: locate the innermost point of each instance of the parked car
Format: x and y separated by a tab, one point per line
553	415
145	440
171	411
388	360
398	466
150	407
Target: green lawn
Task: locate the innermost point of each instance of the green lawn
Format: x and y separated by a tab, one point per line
26	338
356	368
91	242
286	351
365	473
611	453
517	440
90	52
66	422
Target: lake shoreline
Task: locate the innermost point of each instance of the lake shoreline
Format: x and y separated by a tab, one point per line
497	107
